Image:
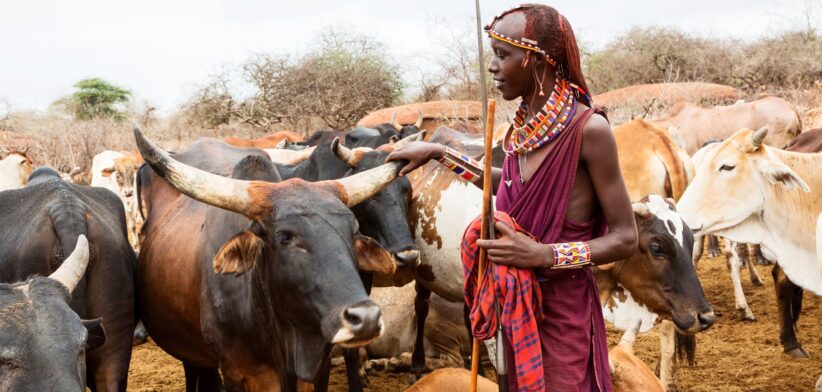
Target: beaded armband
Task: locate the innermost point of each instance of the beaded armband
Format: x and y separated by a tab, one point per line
462	164
571	255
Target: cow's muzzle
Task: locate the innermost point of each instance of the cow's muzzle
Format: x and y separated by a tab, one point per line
361	324
697	322
407	258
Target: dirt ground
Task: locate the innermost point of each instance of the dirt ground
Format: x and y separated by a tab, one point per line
732	356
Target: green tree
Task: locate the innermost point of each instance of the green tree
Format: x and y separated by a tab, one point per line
96	98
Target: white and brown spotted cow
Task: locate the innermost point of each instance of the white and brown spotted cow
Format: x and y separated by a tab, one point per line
116	171
15	169
438	228
771	197
696	124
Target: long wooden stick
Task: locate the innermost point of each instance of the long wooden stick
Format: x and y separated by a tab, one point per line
486	231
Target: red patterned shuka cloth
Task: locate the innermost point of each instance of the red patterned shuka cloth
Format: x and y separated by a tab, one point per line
519	296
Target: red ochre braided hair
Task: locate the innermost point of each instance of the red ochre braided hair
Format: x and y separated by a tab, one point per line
554	36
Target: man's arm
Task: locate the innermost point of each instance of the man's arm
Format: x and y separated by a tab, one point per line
599	152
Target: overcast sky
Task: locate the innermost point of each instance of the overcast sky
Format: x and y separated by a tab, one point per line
162	49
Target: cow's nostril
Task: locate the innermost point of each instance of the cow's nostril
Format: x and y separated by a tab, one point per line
352	318
706	319
363	321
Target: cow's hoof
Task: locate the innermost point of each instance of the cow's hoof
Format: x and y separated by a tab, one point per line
763	261
748	316
412	379
756	282
798	352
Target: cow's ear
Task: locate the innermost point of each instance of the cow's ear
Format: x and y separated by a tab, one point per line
96	333
240	253
107	172
779	173
372	257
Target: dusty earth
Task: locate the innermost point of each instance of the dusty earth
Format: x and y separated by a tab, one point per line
732	356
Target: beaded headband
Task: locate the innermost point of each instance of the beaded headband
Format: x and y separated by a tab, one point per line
524	43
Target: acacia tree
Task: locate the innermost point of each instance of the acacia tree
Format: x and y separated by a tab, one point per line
96	98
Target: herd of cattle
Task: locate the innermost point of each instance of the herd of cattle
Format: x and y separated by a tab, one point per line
250	260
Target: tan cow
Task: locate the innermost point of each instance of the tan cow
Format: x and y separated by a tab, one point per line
116	171
451	380
15	169
270	141
771	197
697	125
289	157
650	161
629	373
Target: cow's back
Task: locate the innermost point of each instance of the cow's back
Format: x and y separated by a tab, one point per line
698	125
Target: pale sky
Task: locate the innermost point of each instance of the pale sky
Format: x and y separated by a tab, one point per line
163	49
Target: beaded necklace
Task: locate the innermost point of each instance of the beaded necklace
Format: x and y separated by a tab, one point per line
546	125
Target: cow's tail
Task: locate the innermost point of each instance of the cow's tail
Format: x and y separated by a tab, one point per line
674	166
686	348
68	219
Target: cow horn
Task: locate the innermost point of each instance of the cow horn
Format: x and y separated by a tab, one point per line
74	267
344	153
394	123
362	186
420	117
282	144
408	139
212	189
641	209
758	137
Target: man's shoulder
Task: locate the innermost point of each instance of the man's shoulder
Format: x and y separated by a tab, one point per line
597	135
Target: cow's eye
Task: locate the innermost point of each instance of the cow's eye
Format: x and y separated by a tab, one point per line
727	167
284	239
656	249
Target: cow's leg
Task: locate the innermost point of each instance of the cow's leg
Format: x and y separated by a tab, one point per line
667	348
789	303
201	379
734	261
421	302
755	279
713	246
699	248
760	258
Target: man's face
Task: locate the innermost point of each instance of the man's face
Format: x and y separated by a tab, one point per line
510	77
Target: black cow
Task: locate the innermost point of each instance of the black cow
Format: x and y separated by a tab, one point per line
251	275
41	224
43	339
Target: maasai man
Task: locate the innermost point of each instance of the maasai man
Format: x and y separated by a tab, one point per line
561	184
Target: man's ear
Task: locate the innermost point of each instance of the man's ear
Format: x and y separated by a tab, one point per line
96	333
372	257
240	253
779	173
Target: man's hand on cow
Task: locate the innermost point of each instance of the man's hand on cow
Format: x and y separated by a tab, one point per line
417	154
516	249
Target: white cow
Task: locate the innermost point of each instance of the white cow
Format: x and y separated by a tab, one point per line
749	192
15	169
116	171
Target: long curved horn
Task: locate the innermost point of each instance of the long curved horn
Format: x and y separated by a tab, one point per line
74	267
394	123
411	138
420	117
212	189
363	186
344	153
758	136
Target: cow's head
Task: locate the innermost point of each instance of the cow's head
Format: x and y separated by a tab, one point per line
22	161
302	247
660	274
42	341
123	172
384	216
732	181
